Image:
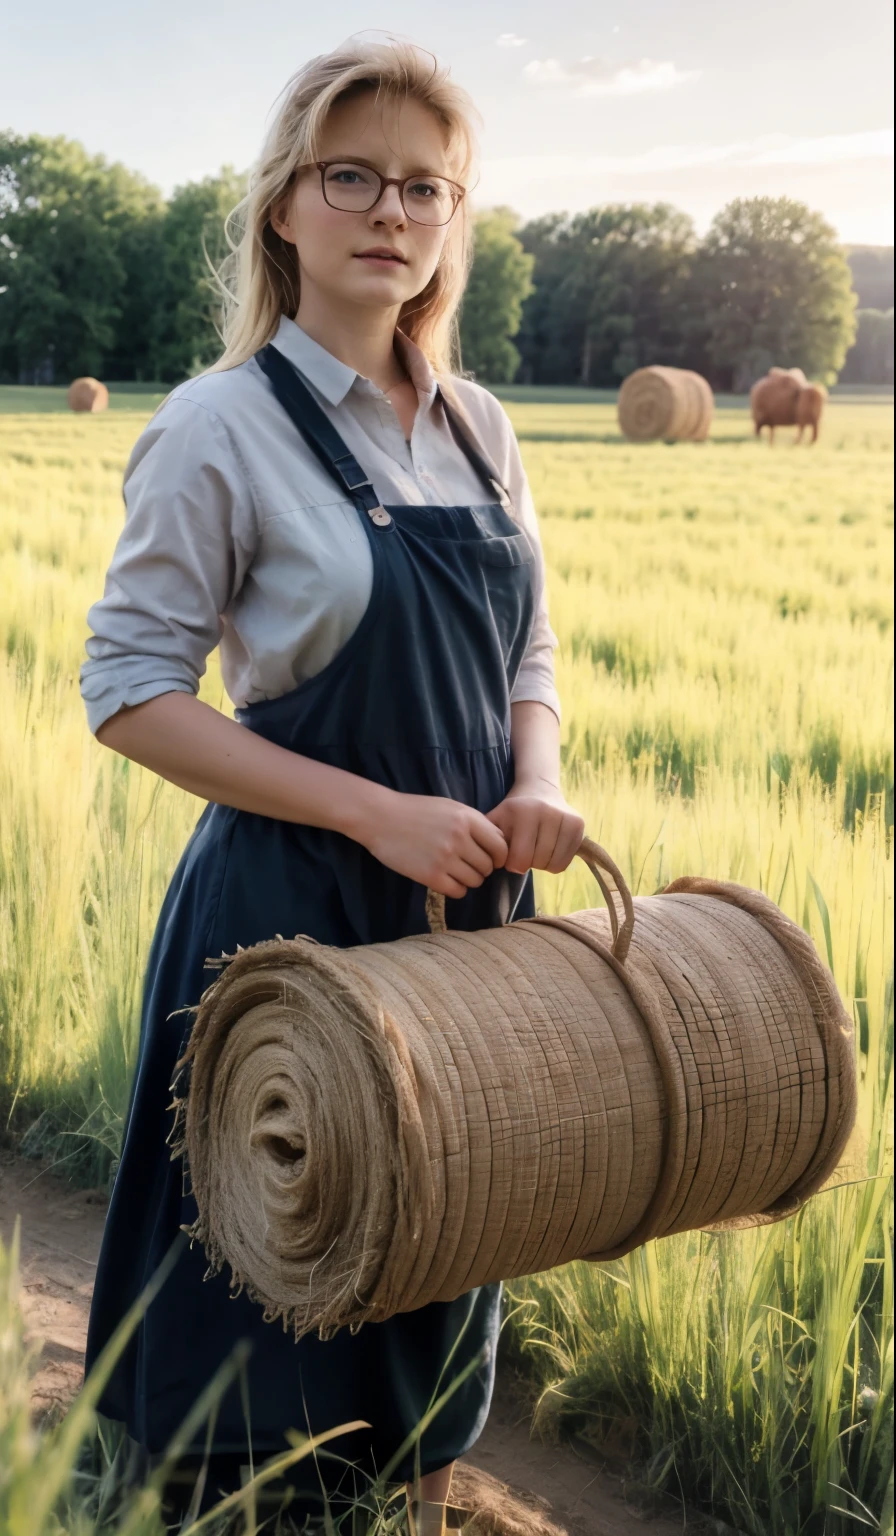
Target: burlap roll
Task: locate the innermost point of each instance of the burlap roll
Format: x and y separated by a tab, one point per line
371	1129
674	404
87	394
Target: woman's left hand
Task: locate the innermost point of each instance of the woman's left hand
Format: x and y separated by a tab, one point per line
542	830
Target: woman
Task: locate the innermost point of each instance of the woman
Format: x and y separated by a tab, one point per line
354	525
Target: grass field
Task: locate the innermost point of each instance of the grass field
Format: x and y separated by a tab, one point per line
724	615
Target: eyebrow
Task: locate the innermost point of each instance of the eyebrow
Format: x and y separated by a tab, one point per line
419	170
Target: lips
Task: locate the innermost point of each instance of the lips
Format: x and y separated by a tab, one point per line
382	255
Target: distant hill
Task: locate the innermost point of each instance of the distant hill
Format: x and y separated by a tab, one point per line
872	274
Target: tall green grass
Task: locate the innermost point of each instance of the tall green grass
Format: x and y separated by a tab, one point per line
68	1478
725	622
751	1371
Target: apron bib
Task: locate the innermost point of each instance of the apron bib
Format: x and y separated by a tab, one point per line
418	699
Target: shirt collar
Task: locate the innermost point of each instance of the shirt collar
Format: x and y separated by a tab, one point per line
332	377
417	364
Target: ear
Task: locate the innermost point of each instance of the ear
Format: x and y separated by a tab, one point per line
279	216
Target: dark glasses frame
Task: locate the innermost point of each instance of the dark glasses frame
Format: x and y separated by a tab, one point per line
400	182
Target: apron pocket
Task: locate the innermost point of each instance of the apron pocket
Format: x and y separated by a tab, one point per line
515	550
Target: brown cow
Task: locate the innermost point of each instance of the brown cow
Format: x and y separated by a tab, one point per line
809	406
784	398
788	373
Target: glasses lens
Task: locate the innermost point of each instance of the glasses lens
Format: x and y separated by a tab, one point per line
428	199
353	188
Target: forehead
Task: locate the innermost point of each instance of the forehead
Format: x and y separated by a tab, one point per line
394	134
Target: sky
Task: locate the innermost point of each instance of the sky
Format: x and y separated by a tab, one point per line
581	103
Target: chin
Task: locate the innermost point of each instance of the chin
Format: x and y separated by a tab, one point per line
384	287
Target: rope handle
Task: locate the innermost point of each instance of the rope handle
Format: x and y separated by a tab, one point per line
600	865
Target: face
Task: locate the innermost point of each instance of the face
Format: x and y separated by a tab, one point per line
398	139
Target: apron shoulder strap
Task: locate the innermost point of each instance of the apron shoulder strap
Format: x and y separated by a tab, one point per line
317	429
463	435
333	453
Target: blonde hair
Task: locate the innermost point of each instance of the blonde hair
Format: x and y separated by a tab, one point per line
259	279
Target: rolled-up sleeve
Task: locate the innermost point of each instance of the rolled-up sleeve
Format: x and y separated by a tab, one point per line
535	679
189	536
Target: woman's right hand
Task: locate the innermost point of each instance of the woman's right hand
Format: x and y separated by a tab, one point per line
441	843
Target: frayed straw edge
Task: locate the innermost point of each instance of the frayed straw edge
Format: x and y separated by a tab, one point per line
294	1317
197	1231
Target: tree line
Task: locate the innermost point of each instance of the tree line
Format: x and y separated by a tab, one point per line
625	285
101	274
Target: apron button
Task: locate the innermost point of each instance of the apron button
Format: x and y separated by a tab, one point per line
380	516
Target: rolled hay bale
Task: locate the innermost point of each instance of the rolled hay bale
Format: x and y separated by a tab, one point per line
87	395
674	404
371	1129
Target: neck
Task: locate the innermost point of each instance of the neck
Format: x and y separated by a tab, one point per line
362	338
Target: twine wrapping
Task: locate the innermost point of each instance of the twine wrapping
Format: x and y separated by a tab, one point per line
670	403
368	1130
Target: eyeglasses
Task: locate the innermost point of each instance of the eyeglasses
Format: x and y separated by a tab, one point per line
355	188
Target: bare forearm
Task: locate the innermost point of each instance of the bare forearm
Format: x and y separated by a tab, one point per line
542	831
535	743
201	750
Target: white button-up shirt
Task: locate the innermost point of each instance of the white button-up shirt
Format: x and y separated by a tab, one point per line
234	534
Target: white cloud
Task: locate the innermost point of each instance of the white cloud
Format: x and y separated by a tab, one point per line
594	77
777	149
546	72
510	40
829	149
848	177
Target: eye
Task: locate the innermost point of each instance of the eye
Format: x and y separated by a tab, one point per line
347	173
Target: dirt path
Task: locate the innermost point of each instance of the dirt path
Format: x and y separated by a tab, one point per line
60	1239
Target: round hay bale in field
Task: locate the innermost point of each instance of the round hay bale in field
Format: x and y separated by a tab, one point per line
673	404
87	395
371	1129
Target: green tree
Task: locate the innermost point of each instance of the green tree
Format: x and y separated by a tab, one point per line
187	331
626	285
548	337
870	360
141	249
872	275
500	280
66	218
610	288
772	285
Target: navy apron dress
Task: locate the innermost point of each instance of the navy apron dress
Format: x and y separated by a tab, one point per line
418	699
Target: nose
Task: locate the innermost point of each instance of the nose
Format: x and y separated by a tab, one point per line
389	209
